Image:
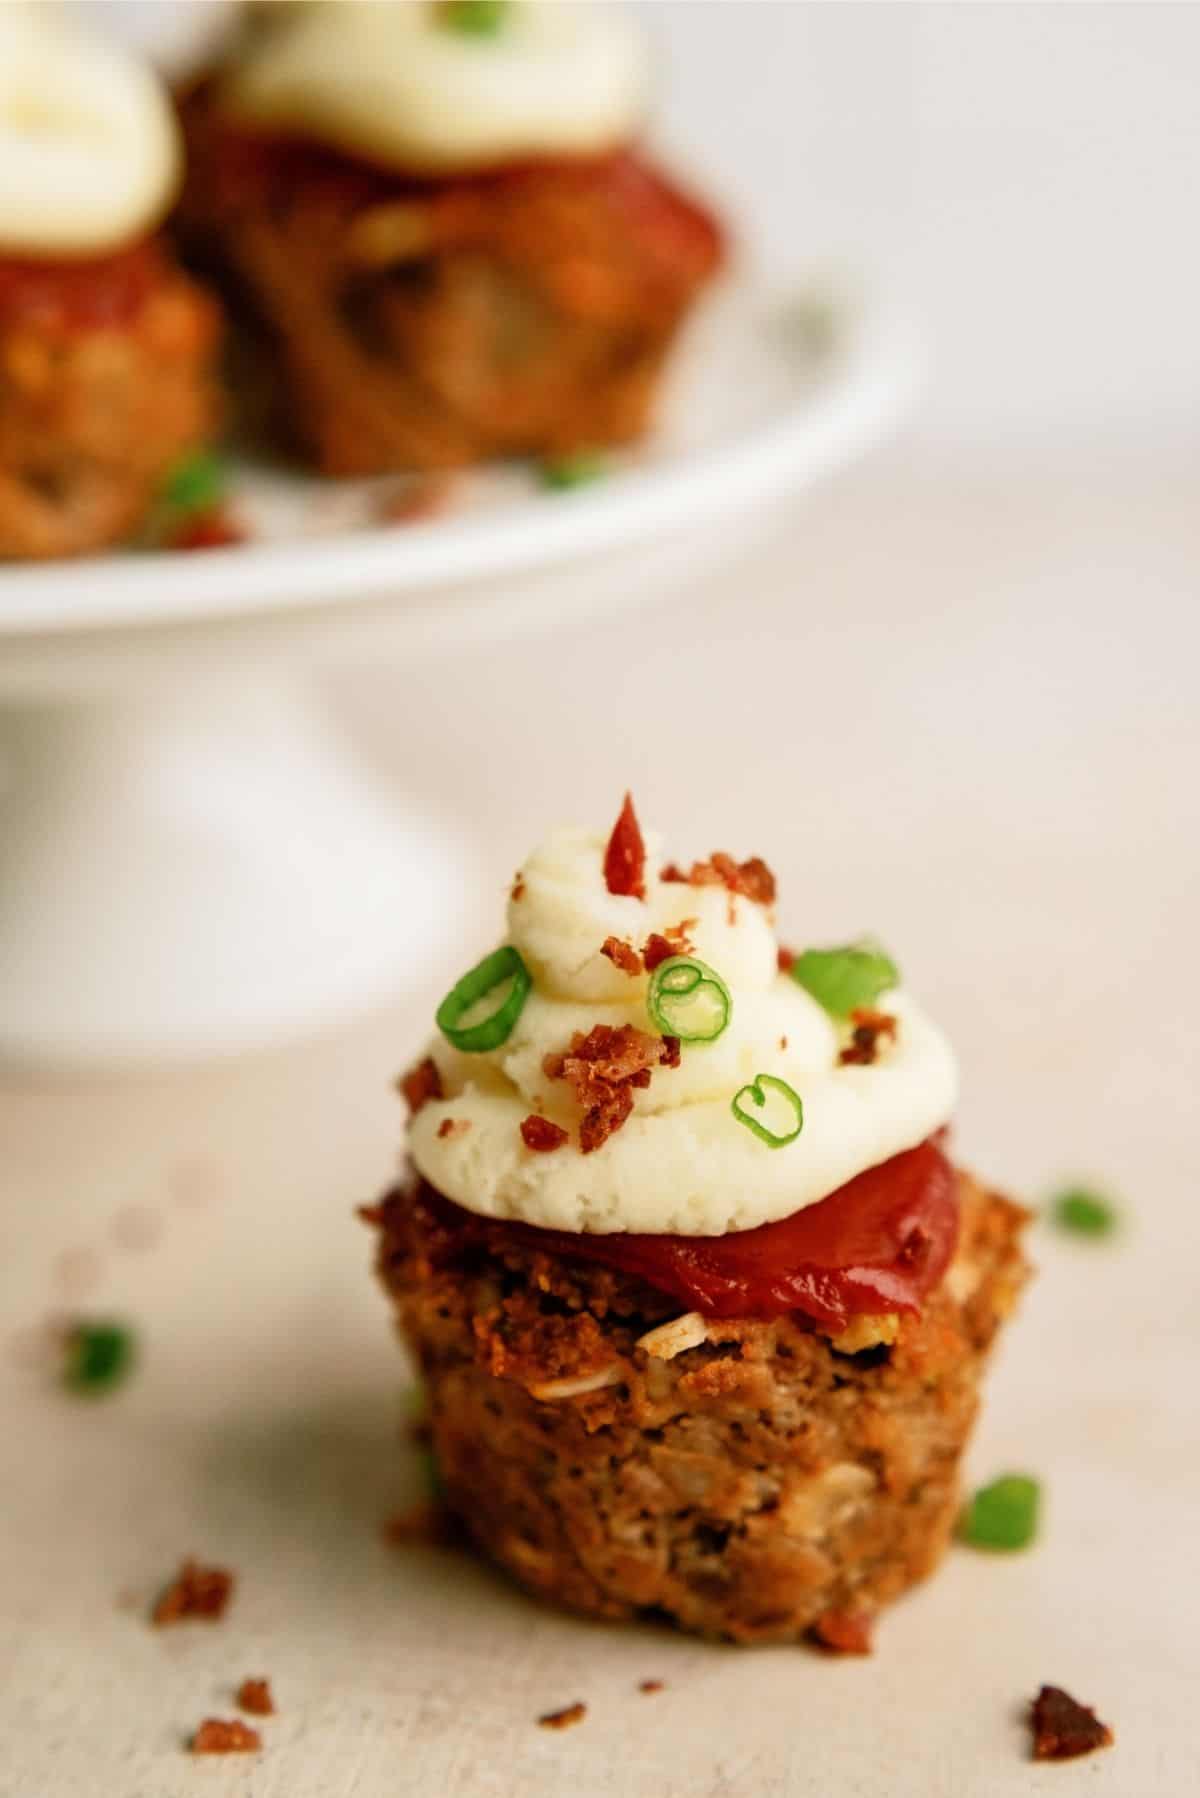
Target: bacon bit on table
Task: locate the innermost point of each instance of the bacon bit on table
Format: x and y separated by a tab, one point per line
1063	1728
540	1134
602	1069
625	856
254	1695
571	1713
453	1127
195	1591
214	529
869	1026
420	1084
622	955
650	1685
844	1632
219	1735
785	960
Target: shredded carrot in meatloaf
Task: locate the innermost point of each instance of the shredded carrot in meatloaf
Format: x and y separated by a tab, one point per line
602	1070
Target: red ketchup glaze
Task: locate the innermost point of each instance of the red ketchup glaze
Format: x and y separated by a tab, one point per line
880	1243
86	293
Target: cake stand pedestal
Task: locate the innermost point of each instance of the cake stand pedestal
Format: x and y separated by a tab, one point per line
199	867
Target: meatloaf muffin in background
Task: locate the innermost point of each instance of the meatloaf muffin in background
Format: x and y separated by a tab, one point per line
434	218
107	350
700	1298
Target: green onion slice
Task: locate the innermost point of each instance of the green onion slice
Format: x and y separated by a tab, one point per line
474	18
756	1094
841	980
503	967
1083	1213
578	470
98	1357
1003	1515
688	999
196	484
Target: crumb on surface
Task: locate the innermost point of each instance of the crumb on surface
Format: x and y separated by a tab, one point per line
254	1695
196	1591
225	1735
570	1713
1063	1728
650	1685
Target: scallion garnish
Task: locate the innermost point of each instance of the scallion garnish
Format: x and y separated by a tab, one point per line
98	1357
503	967
1083	1213
688	999
1002	1515
756	1095
842	980
474	18
577	470
196	484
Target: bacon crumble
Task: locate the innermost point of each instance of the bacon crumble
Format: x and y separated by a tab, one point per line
570	1713
752	879
869	1027
453	1127
650	1685
625	855
254	1696
603	1068
541	1134
195	1591
785	959
420	1084
220	1735
1063	1728
656	950
518	887
622	954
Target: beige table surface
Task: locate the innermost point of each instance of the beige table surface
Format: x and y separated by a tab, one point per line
959	711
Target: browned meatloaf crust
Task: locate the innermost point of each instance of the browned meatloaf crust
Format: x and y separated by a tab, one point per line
107	377
419	323
750	1487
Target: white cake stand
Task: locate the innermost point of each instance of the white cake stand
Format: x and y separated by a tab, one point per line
191	860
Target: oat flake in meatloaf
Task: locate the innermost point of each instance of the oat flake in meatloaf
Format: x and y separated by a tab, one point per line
778	1451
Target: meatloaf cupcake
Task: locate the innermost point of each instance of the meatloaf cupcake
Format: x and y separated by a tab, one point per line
106	348
434	214
700	1296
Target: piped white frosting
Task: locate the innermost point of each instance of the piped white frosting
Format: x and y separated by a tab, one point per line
682	1162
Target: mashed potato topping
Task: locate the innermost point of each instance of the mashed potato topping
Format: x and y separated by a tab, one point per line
402	83
89	151
682	1162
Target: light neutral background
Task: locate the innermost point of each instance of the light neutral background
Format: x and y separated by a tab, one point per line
954	702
